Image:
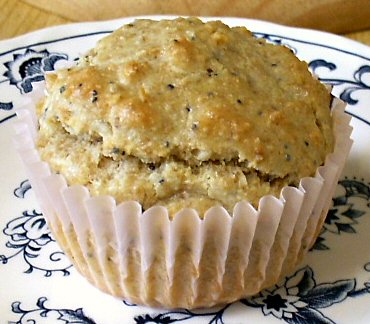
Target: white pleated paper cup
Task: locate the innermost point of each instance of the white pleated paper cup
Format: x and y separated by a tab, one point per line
188	261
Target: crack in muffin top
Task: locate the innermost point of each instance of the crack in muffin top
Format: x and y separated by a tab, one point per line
193	92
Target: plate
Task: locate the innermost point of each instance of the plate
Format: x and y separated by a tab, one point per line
39	285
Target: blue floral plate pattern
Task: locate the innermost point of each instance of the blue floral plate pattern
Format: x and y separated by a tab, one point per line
332	285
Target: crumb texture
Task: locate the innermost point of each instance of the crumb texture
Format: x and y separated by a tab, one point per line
183	113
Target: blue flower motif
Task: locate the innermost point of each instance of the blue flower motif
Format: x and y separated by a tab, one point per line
30	235
359	81
342	217
29	229
279	302
182	315
30	67
158	319
43	314
299	298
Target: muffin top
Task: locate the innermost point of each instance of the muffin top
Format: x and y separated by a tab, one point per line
185	114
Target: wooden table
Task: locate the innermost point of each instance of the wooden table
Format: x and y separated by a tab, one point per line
18	17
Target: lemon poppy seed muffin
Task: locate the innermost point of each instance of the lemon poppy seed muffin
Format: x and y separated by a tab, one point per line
181	113
165	115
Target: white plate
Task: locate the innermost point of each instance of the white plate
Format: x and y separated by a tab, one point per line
332	285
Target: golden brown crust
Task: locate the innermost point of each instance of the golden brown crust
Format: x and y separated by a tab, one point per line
205	101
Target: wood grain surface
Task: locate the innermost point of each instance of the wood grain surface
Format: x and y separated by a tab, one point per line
332	15
348	17
17	17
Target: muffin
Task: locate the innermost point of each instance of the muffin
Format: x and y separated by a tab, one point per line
186	164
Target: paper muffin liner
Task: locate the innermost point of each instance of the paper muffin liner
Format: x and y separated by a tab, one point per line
189	261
